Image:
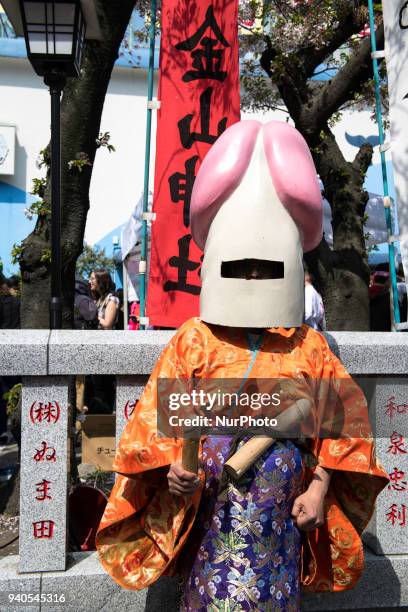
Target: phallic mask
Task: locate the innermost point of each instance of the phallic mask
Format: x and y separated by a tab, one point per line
256	207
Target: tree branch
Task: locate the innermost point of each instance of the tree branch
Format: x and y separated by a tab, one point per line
347	81
362	160
291	76
347	28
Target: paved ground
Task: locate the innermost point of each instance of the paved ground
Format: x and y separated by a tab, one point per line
163	597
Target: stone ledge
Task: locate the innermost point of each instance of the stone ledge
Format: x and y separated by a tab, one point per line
105	352
371	352
384	584
85	585
87	588
24	352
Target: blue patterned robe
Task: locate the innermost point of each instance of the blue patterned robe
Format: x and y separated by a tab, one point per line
249	547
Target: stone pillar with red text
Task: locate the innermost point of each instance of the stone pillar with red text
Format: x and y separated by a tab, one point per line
43	486
387	532
128	392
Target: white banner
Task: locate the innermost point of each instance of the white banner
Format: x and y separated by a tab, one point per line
131	232
395	13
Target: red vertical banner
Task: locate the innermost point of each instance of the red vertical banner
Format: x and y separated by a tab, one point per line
199	95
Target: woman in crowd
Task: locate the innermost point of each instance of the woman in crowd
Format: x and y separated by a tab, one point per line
107	303
102	289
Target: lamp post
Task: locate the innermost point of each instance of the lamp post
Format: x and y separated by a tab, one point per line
54	32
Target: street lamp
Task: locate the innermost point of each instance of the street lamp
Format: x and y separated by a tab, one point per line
54	31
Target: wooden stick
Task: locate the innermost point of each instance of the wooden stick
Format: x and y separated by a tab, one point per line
190	454
246	456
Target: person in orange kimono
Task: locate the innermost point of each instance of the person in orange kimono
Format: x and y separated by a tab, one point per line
295	518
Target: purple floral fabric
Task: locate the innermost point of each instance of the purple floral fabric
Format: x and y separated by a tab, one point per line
249	547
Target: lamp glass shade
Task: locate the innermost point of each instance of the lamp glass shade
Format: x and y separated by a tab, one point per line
54	31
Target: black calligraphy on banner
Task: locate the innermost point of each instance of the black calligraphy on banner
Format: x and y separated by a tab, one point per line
187	137
206	61
199	89
183	265
181	187
403	16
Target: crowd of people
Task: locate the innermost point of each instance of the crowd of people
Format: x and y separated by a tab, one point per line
97	304
379	294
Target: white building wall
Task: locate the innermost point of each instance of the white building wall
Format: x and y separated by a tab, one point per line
24	102
117	179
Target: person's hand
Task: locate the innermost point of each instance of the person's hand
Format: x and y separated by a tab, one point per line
182	482
308	510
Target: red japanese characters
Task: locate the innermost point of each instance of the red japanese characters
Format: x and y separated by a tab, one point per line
48	414
43	530
129	408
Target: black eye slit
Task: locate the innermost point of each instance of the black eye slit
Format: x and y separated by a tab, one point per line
252	268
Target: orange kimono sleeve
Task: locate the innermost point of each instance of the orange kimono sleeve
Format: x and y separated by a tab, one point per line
336	561
144	526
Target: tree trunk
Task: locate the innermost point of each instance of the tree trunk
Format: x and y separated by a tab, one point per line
81	110
339	277
342	274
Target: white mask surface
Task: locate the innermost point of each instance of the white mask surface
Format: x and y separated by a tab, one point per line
253	224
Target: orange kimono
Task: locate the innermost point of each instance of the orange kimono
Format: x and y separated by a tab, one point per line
144	527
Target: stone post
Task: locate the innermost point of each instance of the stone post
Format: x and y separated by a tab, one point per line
128	391
387	532
43	486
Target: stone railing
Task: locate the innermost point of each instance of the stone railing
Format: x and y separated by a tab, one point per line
46	361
